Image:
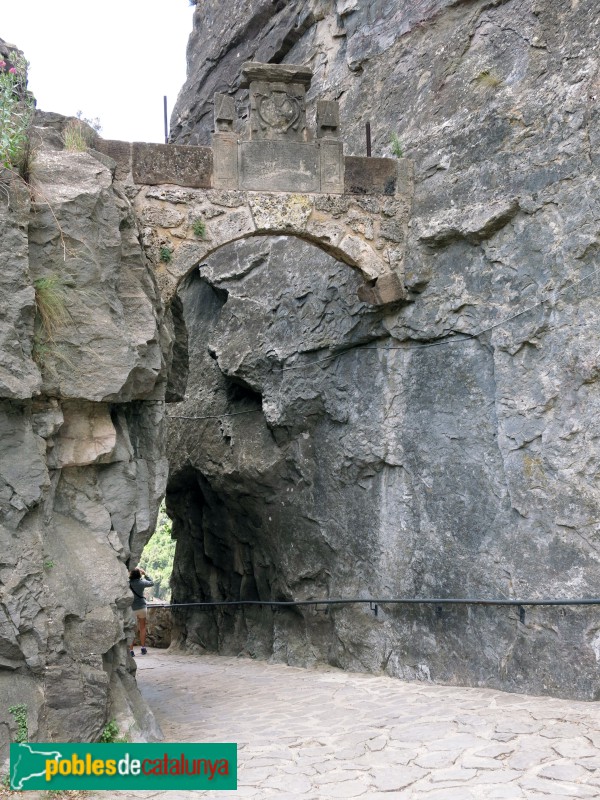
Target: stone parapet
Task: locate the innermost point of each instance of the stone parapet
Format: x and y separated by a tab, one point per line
366	175
318	167
154	164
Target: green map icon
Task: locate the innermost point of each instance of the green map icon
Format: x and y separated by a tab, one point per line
30	764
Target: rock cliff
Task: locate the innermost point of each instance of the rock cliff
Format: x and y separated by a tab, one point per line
83	350
451	447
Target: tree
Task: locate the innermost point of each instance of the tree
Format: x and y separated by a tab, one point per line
157	557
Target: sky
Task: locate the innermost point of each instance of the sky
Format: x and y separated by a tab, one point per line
114	60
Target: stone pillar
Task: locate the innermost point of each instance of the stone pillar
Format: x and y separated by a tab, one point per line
225	144
332	166
225	161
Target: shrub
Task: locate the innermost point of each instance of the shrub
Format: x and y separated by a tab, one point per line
110	734
158	554
396	146
93	122
166	254
16	113
19	712
199	228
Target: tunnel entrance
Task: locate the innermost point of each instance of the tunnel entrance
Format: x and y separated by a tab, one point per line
253	446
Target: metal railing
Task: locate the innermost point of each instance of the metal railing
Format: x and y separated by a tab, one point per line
375	602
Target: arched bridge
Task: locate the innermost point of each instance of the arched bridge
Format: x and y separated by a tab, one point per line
277	179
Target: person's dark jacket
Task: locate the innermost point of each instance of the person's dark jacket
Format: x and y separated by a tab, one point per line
137	586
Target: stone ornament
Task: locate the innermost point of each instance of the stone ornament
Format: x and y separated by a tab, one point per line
277	100
224	112
279	111
328	119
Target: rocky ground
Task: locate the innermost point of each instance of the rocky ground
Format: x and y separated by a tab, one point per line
324	734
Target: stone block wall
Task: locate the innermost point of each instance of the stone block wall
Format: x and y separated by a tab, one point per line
318	167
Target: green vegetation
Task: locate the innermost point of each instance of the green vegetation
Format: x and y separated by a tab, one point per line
51	314
19	712
199	228
48	564
166	254
50	304
39	351
75	136
157	557
396	146
16	113
80	133
110	734
488	78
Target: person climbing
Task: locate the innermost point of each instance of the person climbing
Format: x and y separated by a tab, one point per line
138	581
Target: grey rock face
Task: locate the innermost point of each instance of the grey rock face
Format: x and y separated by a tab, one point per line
19	376
459	457
82	467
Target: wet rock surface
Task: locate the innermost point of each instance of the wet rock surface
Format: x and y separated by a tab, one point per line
457	458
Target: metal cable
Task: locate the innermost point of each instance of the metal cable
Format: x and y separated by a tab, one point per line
461	337
438	601
465	337
217	416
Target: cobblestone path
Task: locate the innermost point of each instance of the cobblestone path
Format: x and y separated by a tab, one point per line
321	734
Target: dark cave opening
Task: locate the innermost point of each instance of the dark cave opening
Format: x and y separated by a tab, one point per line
238	391
239	491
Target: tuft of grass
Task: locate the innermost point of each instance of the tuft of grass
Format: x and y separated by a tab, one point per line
75	137
489	78
28	157
199	228
80	133
396	146
40	351
50	305
166	254
48	564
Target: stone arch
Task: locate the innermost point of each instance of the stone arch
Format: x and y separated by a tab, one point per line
366	232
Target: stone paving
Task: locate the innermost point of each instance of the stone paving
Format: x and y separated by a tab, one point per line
324	734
